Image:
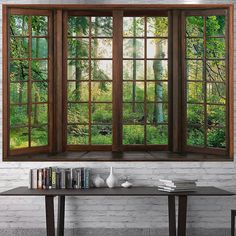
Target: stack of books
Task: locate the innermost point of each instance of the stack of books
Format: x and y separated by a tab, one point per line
59	178
177	185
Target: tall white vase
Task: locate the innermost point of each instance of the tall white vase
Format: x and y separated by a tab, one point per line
111	180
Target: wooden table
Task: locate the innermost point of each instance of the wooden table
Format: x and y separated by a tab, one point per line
134	191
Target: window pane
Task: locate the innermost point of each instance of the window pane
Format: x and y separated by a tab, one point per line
19	92
78	91
19	70
78	113
133	113
216	93
78	70
19	47
215	48
195	114
133	91
157	134
157	113
157	26
195	92
194	26
102	113
39	70
133	70
157	48
194	70
39	25
216	138
19	25
101	26
78	48
101	48
39	92
194	48
133	134
215	26
157	70
18	115
157	91
101	69
133	48
39	114
101	91
19	138
101	134
39	136
39	48
215	71
133	26
78	26
77	134
216	115
195	136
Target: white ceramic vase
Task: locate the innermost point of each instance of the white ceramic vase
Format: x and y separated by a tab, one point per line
98	181
111	180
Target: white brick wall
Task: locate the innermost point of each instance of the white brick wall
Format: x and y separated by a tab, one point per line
117	212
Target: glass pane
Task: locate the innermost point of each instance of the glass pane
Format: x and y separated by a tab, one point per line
19	47
39	114
194	26
157	48
215	48
157	134
78	91
216	115
157	26
39	48
195	136
133	113
39	136
195	114
78	26
39	69
157	113
19	92
194	48
19	70
77	70
133	70
101	134
101	48
77	134
77	113
133	134
133	48
216	138
133	92
195	92
39	25
101	26
157	91
78	48
215	26
215	71
216	93
101	69
194	70
19	138
101	91
157	70
101	113
19	25
39	92
133	26
18	115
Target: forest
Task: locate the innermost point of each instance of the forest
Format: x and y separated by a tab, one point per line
145	80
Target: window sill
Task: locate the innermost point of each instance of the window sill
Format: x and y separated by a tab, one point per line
121	156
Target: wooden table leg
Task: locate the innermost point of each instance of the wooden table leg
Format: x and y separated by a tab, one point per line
50	224
172	216
182	215
61	216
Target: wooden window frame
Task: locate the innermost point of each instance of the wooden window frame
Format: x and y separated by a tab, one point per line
176	149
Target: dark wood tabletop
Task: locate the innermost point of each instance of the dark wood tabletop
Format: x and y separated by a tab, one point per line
134	191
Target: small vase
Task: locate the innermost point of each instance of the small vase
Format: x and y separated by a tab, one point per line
98	181
111	180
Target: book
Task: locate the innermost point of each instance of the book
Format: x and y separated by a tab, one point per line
50	177
86	178
54	178
63	179
34	178
58	178
30	186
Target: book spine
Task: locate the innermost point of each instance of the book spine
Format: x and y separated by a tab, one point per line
82	178
68	179
63	179
44	178
50	178
34	178
58	179
87	178
40	179
78	178
30	186
54	178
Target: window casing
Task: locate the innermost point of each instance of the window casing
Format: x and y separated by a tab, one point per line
68	50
